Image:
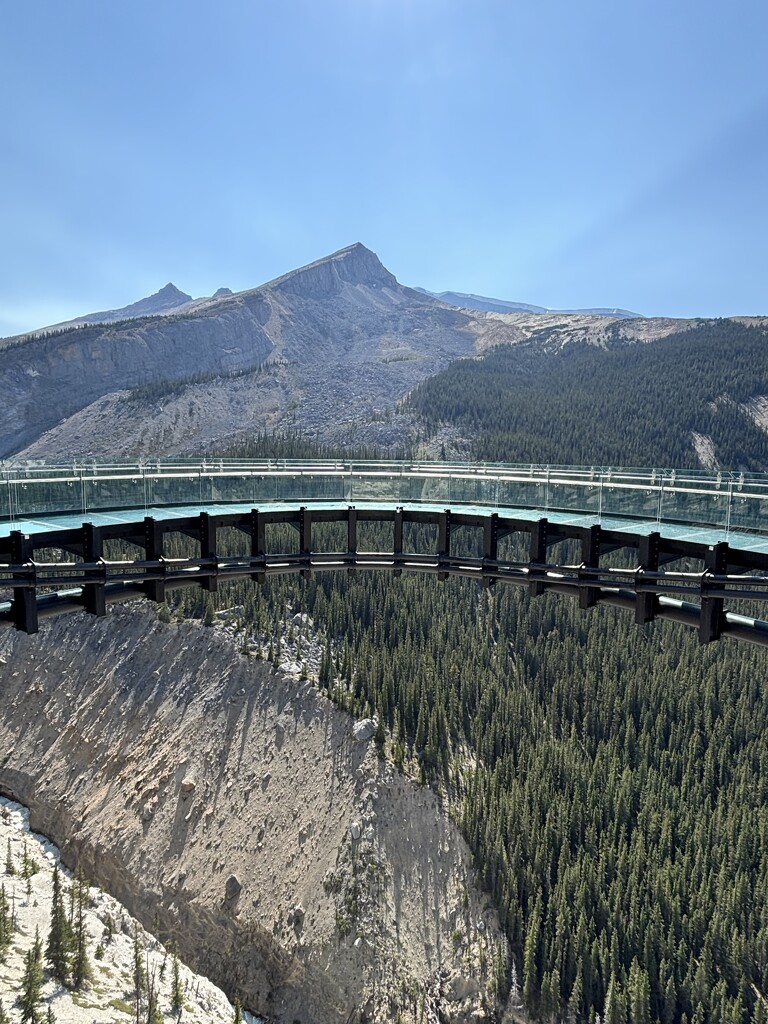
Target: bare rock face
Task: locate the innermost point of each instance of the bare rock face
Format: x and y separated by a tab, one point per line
343	311
216	800
364	729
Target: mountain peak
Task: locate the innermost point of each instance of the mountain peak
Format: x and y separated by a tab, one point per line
353	265
169	293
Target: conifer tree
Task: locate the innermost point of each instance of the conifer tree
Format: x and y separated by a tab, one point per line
81	967
238	1018
177	994
4	1019
6	924
10	868
58	952
139	974
31	982
639	995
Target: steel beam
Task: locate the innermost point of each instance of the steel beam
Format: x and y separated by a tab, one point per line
24	604
590	559
258	543
648	556
444	541
537	554
712	618
94	594
397	540
153	548
207	533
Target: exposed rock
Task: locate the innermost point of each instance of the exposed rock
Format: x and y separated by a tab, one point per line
233	887
99	737
355	830
364	729
460	987
187	786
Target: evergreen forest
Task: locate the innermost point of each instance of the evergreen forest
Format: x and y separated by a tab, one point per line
618	405
611	780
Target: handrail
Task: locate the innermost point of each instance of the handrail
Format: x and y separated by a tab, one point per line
731	502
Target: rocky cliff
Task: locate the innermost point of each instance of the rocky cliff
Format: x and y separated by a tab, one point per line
345	309
236	810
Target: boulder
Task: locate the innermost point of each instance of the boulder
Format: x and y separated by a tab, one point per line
364	729
233	887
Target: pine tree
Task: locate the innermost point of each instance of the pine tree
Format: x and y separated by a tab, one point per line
639	995
81	967
6	925
59	950
530	960
10	868
238	1018
615	1005
4	1019
177	994
31	982
139	975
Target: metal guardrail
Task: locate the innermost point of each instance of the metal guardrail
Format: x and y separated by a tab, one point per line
730	502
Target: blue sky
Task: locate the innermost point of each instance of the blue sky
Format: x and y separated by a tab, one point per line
566	154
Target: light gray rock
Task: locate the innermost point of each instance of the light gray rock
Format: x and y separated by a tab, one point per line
364	729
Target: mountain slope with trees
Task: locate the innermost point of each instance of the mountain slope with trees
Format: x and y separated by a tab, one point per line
617	404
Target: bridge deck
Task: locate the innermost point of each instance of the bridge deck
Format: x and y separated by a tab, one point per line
702	535
720	521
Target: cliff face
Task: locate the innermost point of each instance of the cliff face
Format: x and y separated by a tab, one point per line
236	809
345	309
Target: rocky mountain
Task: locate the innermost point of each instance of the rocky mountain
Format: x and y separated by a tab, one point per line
167	300
466	300
331	348
345	313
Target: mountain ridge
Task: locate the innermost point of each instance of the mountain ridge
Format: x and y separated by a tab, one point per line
331	348
467	300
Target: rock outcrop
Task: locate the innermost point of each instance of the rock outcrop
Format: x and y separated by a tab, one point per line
234	809
341	311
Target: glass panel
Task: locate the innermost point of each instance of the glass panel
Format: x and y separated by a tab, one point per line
173	490
5	499
749	512
572	497
105	493
392	488
435	490
521	493
465	491
235	488
39	497
632	502
694	507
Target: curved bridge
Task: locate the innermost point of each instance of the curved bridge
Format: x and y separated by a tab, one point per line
665	544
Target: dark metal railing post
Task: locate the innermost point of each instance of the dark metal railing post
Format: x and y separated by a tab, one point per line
153	549
94	594
590	559
538	553
24	604
208	551
648	556
712	616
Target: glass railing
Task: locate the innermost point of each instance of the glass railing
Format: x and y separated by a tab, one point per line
726	501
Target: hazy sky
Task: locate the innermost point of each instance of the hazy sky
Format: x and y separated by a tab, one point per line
592	153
